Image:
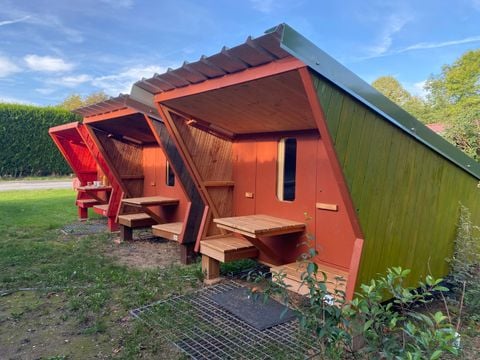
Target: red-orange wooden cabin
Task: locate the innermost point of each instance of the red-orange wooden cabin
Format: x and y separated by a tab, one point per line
81	153
142	160
276	127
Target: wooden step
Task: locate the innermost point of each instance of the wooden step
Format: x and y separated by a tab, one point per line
101	209
136	220
335	278
169	231
87	203
228	248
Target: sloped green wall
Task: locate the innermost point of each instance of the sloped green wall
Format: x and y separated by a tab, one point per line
406	195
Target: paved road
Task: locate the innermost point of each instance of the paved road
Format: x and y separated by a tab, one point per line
35	185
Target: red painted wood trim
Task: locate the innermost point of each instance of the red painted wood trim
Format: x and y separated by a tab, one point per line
185	220
205	217
275	67
63	127
319	117
354	268
110	115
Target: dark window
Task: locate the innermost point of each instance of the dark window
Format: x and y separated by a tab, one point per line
287	168
170	175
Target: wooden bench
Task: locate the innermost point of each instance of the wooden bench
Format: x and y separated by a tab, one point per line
87	203
130	221
224	248
336	279
101	209
170	231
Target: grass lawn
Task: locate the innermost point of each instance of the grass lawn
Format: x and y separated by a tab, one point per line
79	309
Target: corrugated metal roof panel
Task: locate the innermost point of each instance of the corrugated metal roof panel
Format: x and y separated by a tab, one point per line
113	104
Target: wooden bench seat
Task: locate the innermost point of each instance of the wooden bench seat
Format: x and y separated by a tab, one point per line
136	220
101	209
223	249
87	203
169	231
228	248
129	221
335	278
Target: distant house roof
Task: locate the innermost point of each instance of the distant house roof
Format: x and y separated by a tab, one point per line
283	41
438	128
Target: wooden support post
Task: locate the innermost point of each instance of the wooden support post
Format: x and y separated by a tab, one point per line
126	233
211	270
112	225
82	213
187	255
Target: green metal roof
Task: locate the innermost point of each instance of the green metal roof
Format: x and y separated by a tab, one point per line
326	66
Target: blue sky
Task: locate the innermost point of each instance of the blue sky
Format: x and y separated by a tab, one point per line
50	49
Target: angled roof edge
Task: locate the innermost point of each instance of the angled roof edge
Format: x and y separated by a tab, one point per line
326	66
117	103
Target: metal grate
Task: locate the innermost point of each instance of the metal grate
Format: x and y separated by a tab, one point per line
203	330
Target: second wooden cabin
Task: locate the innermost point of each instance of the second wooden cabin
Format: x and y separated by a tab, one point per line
157	191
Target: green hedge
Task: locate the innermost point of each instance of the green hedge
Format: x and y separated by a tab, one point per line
26	149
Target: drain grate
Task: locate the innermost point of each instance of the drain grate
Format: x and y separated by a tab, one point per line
203	330
85	227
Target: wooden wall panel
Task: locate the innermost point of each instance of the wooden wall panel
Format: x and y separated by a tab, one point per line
127	159
406	195
211	158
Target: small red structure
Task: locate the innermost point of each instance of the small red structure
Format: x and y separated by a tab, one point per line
82	155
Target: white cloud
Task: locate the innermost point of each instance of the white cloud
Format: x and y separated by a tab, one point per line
46	91
394	24
47	63
14	21
72	81
119	3
265	6
7	67
13	100
434	45
417	89
122	82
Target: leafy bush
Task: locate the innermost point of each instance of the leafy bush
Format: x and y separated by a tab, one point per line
465	265
26	146
396	329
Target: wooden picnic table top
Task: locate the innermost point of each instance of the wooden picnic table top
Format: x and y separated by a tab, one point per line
150	201
259	225
94	188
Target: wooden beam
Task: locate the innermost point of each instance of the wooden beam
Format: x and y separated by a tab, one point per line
254	73
330	207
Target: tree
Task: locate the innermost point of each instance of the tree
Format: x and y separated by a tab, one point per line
454	97
75	101
392	89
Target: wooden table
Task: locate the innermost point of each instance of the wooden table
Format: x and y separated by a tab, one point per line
93	191
255	226
145	203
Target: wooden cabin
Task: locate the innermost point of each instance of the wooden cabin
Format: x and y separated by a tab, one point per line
286	145
88	164
146	167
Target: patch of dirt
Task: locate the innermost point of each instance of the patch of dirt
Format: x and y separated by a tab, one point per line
34	326
146	254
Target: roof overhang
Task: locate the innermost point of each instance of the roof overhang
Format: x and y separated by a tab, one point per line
279	43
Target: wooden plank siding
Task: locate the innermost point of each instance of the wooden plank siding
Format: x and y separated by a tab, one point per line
406	195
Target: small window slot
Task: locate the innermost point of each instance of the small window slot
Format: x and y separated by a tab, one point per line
170	175
287	169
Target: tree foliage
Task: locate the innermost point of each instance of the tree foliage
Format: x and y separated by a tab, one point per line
75	101
453	98
26	147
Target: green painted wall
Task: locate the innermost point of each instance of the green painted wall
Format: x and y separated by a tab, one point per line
406	195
